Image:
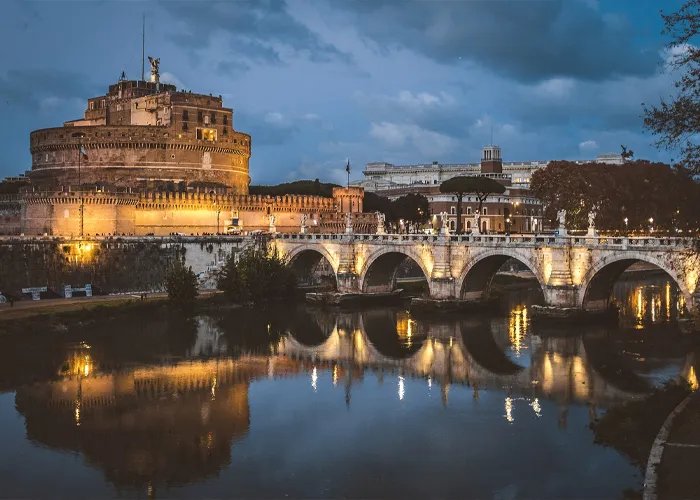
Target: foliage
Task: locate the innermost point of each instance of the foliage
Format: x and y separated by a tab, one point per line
676	121
638	190
413	207
313	188
181	285
480	186
257	275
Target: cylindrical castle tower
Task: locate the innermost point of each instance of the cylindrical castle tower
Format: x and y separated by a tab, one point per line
140	134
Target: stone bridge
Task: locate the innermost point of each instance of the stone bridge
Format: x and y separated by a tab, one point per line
574	272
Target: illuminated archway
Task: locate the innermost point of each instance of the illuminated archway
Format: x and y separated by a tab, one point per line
475	282
313	268
380	274
597	285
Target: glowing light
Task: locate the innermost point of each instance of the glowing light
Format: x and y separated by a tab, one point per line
430	382
314	378
692	379
509	410
402	391
86	370
213	389
335	375
536	407
668	300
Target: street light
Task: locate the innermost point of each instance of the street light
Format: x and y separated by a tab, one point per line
79	136
651	223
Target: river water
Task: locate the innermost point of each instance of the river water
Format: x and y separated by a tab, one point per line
304	403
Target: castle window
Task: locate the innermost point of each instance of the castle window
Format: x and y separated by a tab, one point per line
213	118
184	127
206	134
200	116
185	115
225	131
225	119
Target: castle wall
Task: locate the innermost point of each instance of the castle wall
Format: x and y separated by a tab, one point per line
130	156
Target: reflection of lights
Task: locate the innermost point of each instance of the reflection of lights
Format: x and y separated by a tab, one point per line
335	375
536	407
77	413
401	389
430	382
314	378
509	409
517	329
213	389
668	300
692	378
653	309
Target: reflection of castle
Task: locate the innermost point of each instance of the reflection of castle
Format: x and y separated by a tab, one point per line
158	426
147	158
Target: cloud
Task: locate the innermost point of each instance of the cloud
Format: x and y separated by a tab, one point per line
260	31
266	129
588	145
172	79
405	135
525	40
32	89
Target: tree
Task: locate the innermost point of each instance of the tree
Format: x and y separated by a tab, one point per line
677	120
480	186
257	275
413	207
181	285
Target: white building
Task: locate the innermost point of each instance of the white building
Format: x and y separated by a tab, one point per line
382	176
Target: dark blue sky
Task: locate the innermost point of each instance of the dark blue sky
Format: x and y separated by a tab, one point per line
318	81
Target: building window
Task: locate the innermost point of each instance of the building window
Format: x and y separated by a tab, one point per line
206	119
200	116
225	131
225	120
452	225
486	211
469	210
469	224
185	115
499	211
453	210
213	118
184	127
206	134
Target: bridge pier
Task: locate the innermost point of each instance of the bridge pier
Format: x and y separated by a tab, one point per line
562	297
442	288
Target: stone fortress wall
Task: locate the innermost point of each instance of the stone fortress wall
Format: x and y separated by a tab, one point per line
132	155
125	212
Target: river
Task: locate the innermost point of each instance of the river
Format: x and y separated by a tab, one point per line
305	403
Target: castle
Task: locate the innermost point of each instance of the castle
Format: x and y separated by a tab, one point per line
149	159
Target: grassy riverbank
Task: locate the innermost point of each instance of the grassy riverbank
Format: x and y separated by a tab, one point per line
59	317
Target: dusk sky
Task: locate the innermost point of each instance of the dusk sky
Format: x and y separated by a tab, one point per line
317	81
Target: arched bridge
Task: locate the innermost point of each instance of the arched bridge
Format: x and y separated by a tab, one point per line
574	272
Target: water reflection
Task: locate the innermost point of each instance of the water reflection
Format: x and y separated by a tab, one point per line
164	404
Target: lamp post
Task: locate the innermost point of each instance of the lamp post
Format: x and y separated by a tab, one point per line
508	226
80	135
651	223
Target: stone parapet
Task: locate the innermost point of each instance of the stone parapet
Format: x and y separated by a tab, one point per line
254	203
77	197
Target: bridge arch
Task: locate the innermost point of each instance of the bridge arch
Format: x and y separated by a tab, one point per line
306	259
597	284
378	273
475	280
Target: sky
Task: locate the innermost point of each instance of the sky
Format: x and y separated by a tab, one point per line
316	82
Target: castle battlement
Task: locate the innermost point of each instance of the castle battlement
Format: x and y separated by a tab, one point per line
214	201
77	197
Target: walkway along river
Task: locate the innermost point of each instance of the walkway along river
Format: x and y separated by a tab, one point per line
300	402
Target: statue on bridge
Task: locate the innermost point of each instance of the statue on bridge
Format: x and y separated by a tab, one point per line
561	216
348	223
476	229
591	221
302	229
444	228
381	218
273	229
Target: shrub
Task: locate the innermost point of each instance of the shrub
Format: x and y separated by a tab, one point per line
181	285
259	274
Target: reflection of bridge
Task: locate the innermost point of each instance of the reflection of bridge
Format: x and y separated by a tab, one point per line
576	272
470	352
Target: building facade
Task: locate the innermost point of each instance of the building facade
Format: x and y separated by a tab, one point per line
149	159
514	211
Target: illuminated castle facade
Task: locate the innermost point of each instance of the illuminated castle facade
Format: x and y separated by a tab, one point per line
149	159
